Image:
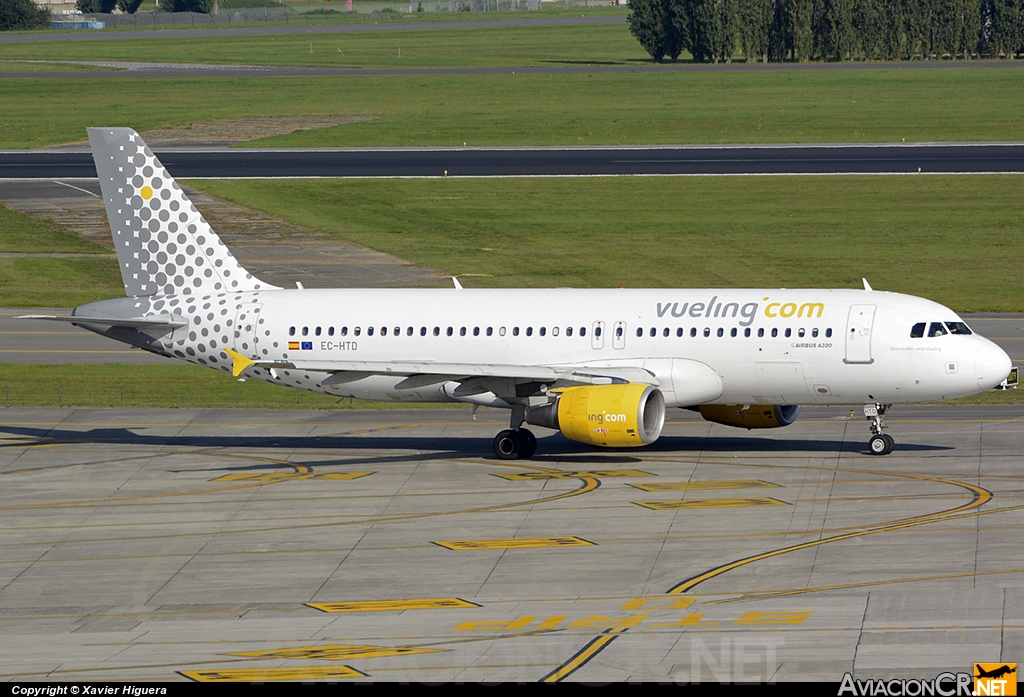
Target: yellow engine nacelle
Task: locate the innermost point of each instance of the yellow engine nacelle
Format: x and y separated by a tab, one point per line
751	416
614	416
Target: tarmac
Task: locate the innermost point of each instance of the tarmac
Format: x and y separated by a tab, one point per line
179	544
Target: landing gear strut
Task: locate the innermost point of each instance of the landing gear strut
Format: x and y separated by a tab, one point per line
880	443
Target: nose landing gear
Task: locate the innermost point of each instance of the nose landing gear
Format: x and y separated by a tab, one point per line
880	443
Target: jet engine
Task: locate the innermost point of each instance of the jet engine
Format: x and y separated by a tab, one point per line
614	416
751	415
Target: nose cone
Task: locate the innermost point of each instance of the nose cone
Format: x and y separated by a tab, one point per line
991	364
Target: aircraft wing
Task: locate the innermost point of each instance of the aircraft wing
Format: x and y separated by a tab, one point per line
422	373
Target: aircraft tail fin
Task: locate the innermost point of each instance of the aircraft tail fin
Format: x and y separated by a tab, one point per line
164	246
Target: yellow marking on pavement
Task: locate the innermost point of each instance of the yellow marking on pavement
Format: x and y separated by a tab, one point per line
393	605
865	584
335	652
297	674
275	477
687	504
516	543
704	486
594	647
572	474
981	496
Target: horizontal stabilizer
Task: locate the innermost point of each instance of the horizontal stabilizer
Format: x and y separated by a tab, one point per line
136	322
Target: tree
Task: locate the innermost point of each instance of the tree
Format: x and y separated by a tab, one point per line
22	14
93	6
653	24
200	6
129	6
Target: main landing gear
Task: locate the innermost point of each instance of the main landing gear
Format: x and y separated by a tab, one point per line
880	443
516	442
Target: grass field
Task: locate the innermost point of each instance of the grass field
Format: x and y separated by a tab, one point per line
591	109
944	237
955	239
171	385
493	47
51	281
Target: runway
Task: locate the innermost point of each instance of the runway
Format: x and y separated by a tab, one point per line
355	545
550	161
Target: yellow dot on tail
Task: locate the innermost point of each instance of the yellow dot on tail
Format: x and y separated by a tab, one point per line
146	193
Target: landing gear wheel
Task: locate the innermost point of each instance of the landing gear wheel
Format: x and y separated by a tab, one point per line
528	444
878	445
507	445
890	441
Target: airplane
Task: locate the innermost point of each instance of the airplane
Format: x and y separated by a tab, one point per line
601	366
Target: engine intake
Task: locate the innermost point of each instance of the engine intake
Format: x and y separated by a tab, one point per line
751	416
614	416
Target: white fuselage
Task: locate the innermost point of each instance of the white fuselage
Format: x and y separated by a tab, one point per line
768	346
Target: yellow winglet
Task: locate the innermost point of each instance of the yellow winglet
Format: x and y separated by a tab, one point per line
240	362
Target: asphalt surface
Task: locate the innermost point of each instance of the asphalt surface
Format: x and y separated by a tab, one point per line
224	545
550	161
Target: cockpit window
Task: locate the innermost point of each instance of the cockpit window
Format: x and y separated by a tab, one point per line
958	328
936	329
917	331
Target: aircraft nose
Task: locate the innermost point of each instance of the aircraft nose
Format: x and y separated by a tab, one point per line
991	365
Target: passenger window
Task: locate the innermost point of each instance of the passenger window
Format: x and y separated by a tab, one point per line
462	331
760	332
958	328
828	333
664	332
936	329
679	332
543	331
554	331
814	332
369	331
383	331
732	332
515	331
398	331
476	331
707	331
917	331
355	331
437	331
775	332
800	332
654	332
490	330
639	332
693	332
721	331
449	331
529	331
291	331
746	332
789	332
344	331
330	331
597	331
501	332
305	331
408	331
423	331
568	331
317	331
583	331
